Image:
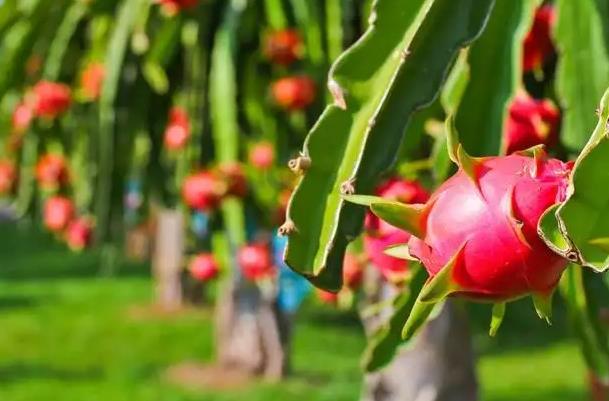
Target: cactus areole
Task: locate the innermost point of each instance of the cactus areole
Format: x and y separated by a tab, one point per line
480	228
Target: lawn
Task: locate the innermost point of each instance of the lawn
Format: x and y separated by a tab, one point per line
69	334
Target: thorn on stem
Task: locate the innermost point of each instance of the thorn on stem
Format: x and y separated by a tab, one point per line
286	228
300	164
348	187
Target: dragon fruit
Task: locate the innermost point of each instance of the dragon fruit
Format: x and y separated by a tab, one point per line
256	262
7	176
531	122
203	267
477	235
178	129
203	190
173	7
353	271
262	155
50	99
294	93
538	45
283	47
57	213
381	235
234	177
92	80
79	233
22	117
51	171
479	229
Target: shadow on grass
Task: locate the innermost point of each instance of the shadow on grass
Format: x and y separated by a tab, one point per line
17	302
31	254
324	317
23	372
553	394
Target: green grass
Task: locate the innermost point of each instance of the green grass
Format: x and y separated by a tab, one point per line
68	334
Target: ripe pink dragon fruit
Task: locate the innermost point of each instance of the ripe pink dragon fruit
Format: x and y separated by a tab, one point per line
478	232
234	178
7	176
92	80
50	99
538	42
294	93
531	122
173	7
203	190
262	155
283	47
57	213
256	262
203	267
22	117
380	235
79	233
51	171
178	129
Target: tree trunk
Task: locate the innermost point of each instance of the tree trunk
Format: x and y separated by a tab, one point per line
252	334
439	366
168	257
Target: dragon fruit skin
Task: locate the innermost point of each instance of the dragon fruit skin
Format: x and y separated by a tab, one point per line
484	228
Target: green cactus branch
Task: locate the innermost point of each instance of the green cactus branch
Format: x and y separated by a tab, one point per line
581	38
378	84
579	227
495	60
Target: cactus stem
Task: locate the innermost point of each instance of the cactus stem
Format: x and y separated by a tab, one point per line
404	54
348	187
337	94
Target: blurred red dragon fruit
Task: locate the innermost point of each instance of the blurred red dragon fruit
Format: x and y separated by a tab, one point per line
203	267
283	47
173	7
294	93
57	213
178	129
262	155
203	190
22	117
531	122
380	235
50	99
256	262
538	42
51	171
92	80
79	233
234	178
7	176
479	229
